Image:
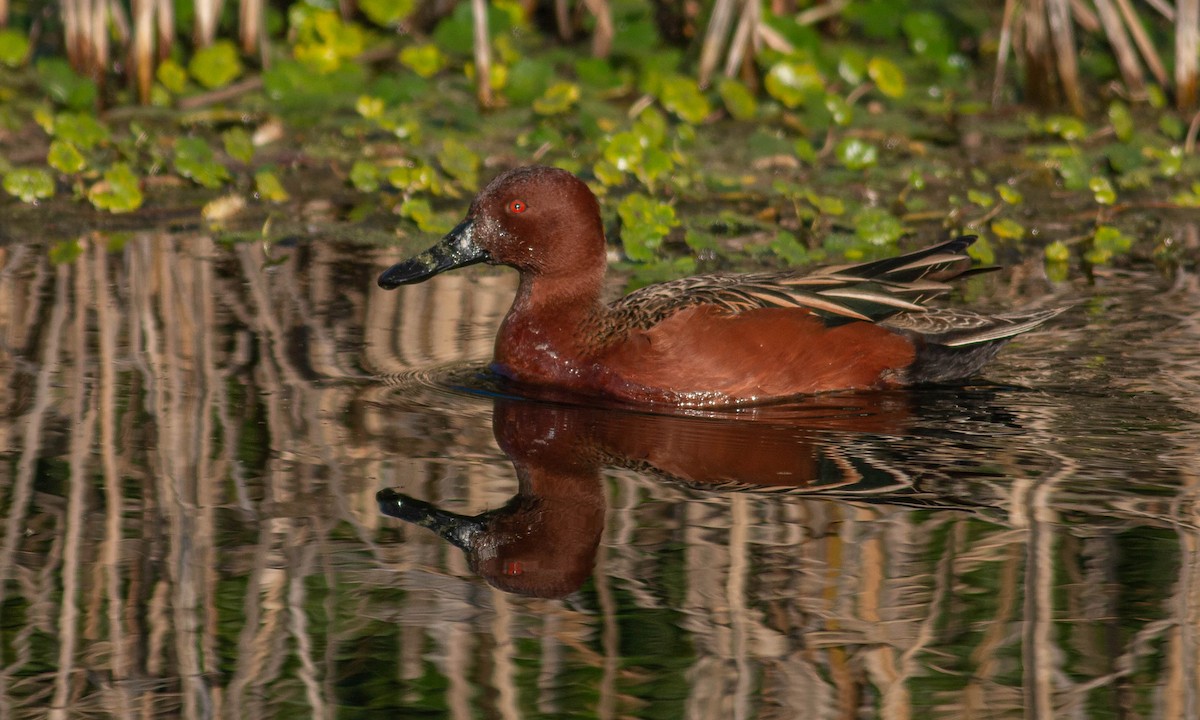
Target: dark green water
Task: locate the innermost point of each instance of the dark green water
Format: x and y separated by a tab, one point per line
193	436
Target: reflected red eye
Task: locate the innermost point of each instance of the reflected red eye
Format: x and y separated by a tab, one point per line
517	206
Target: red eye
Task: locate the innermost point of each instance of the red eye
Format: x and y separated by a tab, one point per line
517	206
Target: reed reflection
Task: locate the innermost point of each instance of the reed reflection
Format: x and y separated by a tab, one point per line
543	541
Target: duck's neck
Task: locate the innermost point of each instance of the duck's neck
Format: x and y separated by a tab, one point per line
545	336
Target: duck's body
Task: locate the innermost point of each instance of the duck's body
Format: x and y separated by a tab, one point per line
705	340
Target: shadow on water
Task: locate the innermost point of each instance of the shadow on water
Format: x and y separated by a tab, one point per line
197	437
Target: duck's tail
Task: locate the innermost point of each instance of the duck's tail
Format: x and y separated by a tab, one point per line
956	344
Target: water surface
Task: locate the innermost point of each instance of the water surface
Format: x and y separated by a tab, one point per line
194	435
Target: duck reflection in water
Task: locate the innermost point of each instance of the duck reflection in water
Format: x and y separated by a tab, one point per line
543	542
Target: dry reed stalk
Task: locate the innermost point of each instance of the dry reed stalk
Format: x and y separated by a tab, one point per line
714	39
72	32
562	19
1064	47
602	36
98	57
1149	53
741	49
1127	61
1187	53
208	13
1003	47
250	26
141	55
1085	17
1037	52
483	54
166	28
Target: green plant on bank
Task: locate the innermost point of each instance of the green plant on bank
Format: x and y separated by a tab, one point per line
834	155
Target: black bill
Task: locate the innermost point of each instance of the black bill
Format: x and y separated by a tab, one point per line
455	250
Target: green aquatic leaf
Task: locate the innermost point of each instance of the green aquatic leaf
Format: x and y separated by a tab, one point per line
792	83
268	187
840	110
681	95
80	129
63	86
625	150
1111	239
1121	120
738	99
852	65
856	154
805	151
369	107
238	144
599	74
425	59
460	163
826	204
65	252
1107	242
29	184
528	80
386	12
1008	229
607	173
216	65
982	251
644	224
172	75
65	158
194	160
789	249
877	226
887	76
14	46
119	192
557	99
980	198
1066	127
412	178
1010	194
1057	252
364	176
927	35
1102	190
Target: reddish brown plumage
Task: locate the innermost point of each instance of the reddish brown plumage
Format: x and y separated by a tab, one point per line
706	340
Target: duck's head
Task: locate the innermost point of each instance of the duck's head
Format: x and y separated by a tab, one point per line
540	220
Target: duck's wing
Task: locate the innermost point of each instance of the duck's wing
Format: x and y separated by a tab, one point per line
954	328
871	291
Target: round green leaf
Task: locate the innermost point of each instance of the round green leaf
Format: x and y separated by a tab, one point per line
216	65
738	99
425	60
238	145
269	188
118	192
887	76
681	96
29	184
1057	252
14	46
856	154
172	76
64	158
557	99
792	82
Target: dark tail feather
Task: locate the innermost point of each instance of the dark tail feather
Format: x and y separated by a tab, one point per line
958	353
